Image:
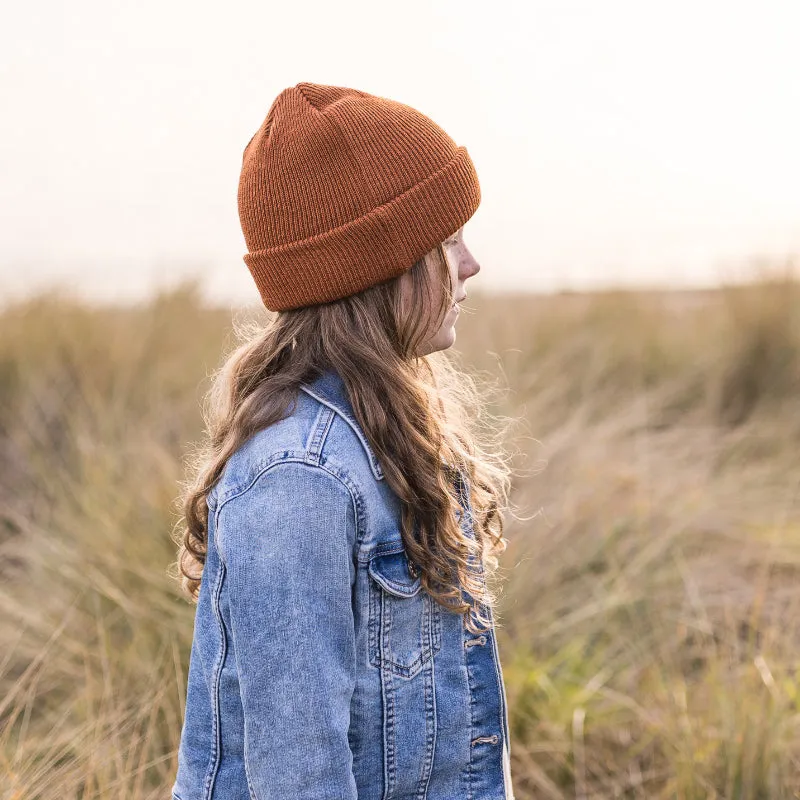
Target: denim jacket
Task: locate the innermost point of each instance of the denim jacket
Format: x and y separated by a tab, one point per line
320	669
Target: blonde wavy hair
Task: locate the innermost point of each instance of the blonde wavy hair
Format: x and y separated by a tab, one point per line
424	418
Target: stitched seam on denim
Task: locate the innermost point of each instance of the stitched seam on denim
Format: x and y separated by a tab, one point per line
392	586
374	628
500	687
315	442
430	713
353	423
472	703
382	549
213	767
250	789
255	469
387	692
338	475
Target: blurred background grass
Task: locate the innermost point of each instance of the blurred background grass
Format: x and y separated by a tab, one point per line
648	622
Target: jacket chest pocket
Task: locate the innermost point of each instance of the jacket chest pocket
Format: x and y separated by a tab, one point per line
404	622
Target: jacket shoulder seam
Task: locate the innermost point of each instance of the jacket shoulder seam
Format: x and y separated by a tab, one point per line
296	457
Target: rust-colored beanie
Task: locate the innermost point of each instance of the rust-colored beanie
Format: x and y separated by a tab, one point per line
341	190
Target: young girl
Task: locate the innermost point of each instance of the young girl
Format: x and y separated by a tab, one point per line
344	510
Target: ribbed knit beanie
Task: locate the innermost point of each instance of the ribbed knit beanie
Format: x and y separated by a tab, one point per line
341	190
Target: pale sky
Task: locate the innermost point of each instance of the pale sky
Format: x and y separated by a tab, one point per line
634	143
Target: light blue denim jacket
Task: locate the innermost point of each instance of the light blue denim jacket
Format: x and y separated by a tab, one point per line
320	669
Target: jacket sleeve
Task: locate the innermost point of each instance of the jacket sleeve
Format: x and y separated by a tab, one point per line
287	545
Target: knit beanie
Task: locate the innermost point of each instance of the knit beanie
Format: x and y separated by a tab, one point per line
341	190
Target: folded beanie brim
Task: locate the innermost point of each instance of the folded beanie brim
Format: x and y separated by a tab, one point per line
373	248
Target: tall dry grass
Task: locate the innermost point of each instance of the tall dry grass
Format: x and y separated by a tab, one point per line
649	622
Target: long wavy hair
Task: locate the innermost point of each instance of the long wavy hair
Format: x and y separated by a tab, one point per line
427	421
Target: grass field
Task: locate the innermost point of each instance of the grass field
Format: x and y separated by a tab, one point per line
650	615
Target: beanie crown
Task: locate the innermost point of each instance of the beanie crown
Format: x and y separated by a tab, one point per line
341	189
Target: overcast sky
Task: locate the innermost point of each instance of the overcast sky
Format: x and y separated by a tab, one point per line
615	142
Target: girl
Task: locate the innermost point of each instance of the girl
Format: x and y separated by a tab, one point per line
343	511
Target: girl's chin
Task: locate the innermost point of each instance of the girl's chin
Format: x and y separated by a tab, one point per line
444	339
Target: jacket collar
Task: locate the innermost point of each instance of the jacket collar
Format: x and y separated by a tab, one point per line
329	389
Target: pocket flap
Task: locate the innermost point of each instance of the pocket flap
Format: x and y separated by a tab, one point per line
391	571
